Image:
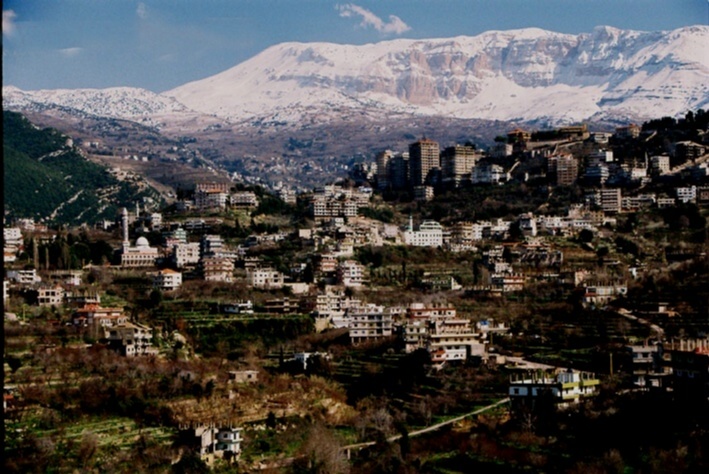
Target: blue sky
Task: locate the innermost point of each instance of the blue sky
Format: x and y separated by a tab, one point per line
161	44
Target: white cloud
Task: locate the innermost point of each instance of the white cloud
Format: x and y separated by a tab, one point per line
142	11
395	25
70	52
8	22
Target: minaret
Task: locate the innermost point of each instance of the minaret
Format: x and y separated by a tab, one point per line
411	223
124	222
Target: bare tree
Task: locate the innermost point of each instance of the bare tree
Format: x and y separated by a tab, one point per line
322	453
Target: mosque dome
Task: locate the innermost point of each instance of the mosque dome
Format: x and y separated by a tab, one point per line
142	242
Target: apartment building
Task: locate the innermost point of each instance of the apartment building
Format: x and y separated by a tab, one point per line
368	323
167	280
265	278
564	387
424	156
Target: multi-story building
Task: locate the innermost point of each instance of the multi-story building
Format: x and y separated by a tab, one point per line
24	277
265	278
424	156
325	207
660	164
488	174
566	170
12	243
423	193
211	195
400	171
688	150
686	194
457	163
244	200
186	254
646	364
383	160
95	315
131	339
50	295
173	237
211	441
167	280
564	387
601	294
210	245
65	277
211	200
518	135
689	360
629	131
433	312
368	323
350	273
217	269
611	200
597	175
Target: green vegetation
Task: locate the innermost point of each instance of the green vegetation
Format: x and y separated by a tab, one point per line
45	179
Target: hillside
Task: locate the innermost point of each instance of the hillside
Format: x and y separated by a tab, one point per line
48	179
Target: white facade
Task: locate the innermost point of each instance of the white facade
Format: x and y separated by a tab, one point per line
686	194
488	174
186	254
369	323
350	273
50	296
265	278
429	234
142	255
167	280
244	199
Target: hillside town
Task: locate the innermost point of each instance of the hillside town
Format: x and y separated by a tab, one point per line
550	271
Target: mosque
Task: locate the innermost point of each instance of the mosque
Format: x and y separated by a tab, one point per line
140	255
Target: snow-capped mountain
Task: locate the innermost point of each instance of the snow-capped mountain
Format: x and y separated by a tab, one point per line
519	75
115	102
522	74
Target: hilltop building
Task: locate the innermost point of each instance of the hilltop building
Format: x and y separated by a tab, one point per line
424	156
457	163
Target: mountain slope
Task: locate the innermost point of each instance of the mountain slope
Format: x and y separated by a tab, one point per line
117	102
45	178
527	74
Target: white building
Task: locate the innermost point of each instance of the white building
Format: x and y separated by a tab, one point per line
368	323
140	255
186	254
488	174
50	295
24	277
244	200
660	164
265	278
429	234
350	273
686	194
167	280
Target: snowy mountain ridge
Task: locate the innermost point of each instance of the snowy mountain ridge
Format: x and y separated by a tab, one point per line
521	75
